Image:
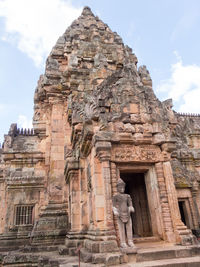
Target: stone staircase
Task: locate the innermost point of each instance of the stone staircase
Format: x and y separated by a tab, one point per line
166	256
155	254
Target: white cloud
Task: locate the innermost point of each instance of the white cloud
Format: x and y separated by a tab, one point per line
24	122
35	25
191	101
183	87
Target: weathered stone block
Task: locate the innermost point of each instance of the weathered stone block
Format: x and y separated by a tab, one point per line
108	246
63	250
98	258
85	255
92	246
158	139
112	260
72	251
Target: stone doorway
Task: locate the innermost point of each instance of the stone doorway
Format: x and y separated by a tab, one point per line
185	212
136	188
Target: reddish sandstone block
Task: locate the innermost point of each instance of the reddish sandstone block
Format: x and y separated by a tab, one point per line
100	214
133	109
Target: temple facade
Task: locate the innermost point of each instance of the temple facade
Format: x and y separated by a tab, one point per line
97	119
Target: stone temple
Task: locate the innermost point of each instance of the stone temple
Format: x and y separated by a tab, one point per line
97	120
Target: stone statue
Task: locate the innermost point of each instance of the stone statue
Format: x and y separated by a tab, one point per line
122	207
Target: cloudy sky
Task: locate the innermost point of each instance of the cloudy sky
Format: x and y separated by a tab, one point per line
164	34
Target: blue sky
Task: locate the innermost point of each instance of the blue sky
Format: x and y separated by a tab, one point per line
164	34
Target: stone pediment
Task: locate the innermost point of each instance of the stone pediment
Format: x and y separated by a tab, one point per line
183	177
123	107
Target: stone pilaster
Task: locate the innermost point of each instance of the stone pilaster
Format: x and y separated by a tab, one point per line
183	235
103	151
194	210
56	167
166	215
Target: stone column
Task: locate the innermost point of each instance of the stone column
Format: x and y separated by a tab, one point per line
166	214
155	207
3	206
114	178
74	237
72	178
193	203
183	235
101	236
103	150
56	173
75	197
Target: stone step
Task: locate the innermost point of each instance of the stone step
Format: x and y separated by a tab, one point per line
146	239
75	264
167	253
39	248
179	262
109	259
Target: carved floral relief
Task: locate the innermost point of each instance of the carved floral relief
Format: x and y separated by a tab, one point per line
136	153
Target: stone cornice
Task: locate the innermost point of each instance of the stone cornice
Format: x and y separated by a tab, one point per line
21	182
25	157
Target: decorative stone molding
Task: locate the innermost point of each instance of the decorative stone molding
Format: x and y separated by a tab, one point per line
103	151
86	142
25	182
72	165
23	157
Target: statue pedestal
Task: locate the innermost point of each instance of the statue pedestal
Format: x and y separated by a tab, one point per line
129	250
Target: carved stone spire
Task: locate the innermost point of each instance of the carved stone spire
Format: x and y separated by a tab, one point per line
87	11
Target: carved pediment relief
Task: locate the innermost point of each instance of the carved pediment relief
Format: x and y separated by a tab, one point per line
183	177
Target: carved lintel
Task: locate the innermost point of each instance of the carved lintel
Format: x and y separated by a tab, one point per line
132	153
103	150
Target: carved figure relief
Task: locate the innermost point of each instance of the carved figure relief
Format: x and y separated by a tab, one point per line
7	142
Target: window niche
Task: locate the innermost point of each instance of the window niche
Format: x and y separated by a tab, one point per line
24	215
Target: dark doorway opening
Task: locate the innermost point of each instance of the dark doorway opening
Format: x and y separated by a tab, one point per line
185	212
136	188
181	208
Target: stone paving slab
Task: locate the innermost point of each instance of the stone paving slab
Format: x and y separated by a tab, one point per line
181	262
